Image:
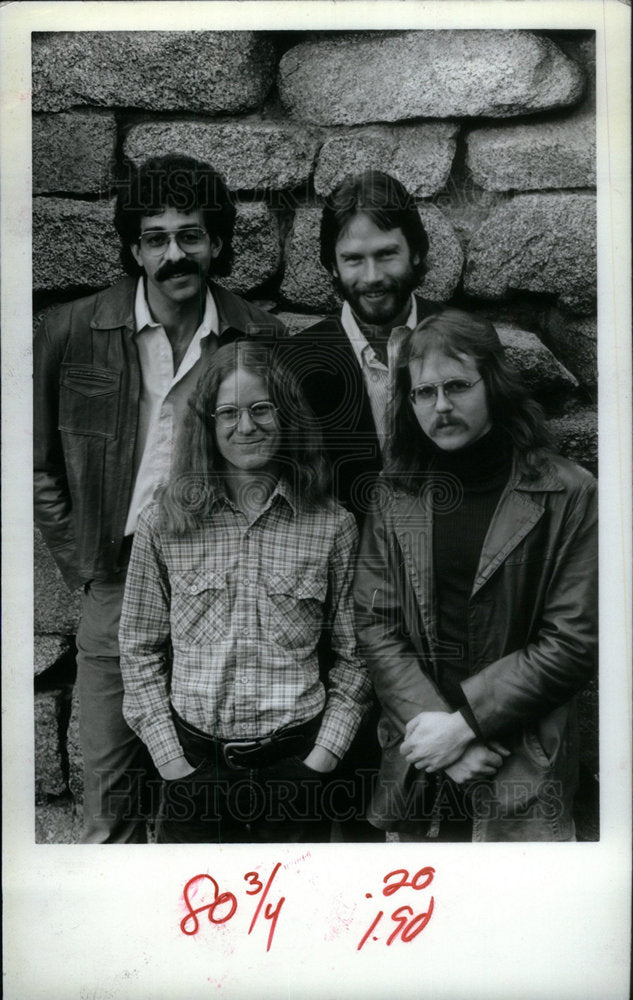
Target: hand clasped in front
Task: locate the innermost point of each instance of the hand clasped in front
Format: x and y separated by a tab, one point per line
434	740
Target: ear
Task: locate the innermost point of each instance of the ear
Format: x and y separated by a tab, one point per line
215	245
135	249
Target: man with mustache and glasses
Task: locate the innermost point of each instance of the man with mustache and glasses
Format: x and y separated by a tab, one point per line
374	247
476	598
113	373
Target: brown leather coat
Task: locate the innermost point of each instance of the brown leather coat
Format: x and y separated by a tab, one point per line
532	639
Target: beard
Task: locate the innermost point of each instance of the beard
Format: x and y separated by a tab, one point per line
380	303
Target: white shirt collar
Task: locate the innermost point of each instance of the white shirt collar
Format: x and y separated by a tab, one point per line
357	338
143	317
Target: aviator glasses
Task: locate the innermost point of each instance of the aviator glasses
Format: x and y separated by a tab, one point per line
193	239
262	413
426	393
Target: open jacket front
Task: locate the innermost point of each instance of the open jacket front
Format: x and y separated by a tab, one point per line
532	623
86	391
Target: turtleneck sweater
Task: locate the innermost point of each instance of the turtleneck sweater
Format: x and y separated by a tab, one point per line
479	472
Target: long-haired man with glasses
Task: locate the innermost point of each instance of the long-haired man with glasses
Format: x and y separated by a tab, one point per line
476	598
113	373
237	572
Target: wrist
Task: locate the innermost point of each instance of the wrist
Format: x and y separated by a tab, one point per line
461	733
321	759
178	767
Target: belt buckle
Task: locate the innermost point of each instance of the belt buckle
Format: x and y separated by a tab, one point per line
235	746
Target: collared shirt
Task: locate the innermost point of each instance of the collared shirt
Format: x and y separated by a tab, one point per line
376	375
244	604
163	399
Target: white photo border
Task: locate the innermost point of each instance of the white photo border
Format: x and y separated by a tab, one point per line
529	921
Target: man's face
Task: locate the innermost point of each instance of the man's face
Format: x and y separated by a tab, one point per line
173	273
374	269
249	445
457	416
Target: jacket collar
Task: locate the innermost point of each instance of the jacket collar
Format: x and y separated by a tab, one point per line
548	481
233	311
115	307
518	510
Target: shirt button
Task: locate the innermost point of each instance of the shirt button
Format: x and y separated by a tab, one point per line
246	631
247	583
244	680
194	588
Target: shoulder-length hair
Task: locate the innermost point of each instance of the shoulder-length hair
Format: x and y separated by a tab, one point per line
174	181
384	200
187	499
456	333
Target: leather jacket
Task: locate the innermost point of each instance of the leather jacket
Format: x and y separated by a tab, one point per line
87	383
532	642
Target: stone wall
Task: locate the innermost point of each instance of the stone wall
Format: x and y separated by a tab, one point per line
492	131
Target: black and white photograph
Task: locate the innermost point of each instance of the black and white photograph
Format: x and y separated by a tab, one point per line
329	562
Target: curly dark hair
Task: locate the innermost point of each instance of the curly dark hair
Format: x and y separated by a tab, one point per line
180	182
187	499
456	333
384	200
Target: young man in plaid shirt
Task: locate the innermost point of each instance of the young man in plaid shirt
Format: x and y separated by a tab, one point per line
239	571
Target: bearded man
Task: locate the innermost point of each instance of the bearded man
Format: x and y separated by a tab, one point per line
374	247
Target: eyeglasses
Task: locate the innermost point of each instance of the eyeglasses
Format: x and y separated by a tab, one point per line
426	394
261	413
190	240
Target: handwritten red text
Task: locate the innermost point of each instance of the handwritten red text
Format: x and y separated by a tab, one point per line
223	905
408	924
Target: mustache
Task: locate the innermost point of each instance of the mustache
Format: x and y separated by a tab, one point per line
446	422
173	269
379	286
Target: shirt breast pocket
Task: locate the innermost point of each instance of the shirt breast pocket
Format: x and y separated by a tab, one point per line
200	606
293	609
89	400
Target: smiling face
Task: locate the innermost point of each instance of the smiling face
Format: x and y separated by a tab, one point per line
175	276
451	423
249	446
374	270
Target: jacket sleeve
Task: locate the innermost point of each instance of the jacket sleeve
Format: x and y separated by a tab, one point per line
348	697
52	501
144	639
399	673
554	666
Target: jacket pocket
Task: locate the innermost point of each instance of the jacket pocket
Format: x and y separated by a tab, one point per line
388	736
200	606
534	749
292	614
89	400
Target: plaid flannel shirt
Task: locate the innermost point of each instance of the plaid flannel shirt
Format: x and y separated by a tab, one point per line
243	606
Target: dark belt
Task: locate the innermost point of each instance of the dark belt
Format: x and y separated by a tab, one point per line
242	754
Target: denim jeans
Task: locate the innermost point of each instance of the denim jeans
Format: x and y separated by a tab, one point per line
118	770
281	802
